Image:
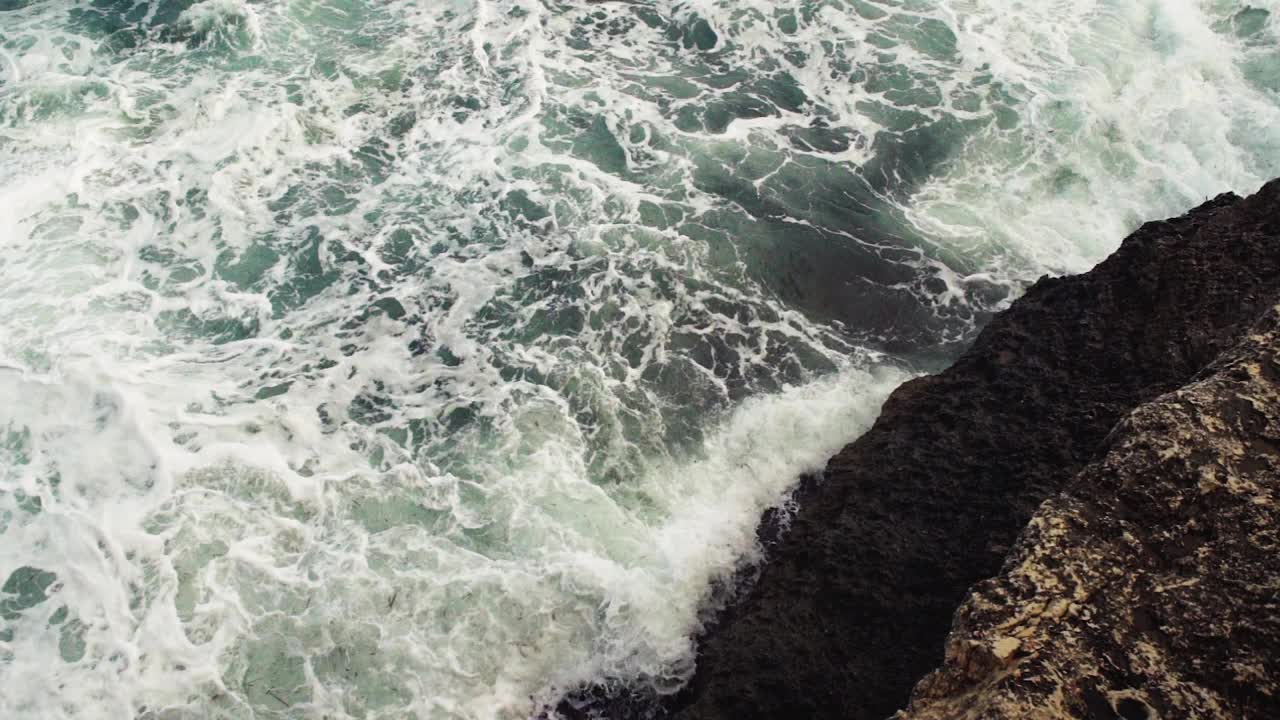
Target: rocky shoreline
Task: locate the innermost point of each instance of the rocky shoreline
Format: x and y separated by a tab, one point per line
1150	588
1132	592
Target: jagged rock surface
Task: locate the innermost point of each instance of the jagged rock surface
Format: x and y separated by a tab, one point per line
853	606
1151	587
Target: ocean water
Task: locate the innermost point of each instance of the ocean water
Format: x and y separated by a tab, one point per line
425	359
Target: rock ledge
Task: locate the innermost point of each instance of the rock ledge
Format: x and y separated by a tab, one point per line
1093	483
1151	587
854	605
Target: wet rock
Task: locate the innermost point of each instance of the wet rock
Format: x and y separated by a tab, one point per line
854	605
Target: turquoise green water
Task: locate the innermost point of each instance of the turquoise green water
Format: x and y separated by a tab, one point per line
423	359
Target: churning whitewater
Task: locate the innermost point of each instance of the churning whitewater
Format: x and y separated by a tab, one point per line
428	358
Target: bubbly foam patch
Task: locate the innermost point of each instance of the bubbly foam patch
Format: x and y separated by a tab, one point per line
233	582
1125	112
374	360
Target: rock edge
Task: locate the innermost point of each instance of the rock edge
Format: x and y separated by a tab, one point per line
855	603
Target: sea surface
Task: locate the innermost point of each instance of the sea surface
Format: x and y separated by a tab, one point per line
426	358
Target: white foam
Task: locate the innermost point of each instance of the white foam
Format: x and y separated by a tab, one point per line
1133	111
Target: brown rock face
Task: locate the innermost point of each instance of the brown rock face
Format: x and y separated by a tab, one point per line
854	604
1151	587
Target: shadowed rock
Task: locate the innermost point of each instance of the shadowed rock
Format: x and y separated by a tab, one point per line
1151	587
854	604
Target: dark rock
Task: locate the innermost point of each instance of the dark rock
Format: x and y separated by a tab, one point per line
1150	588
853	606
855	602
